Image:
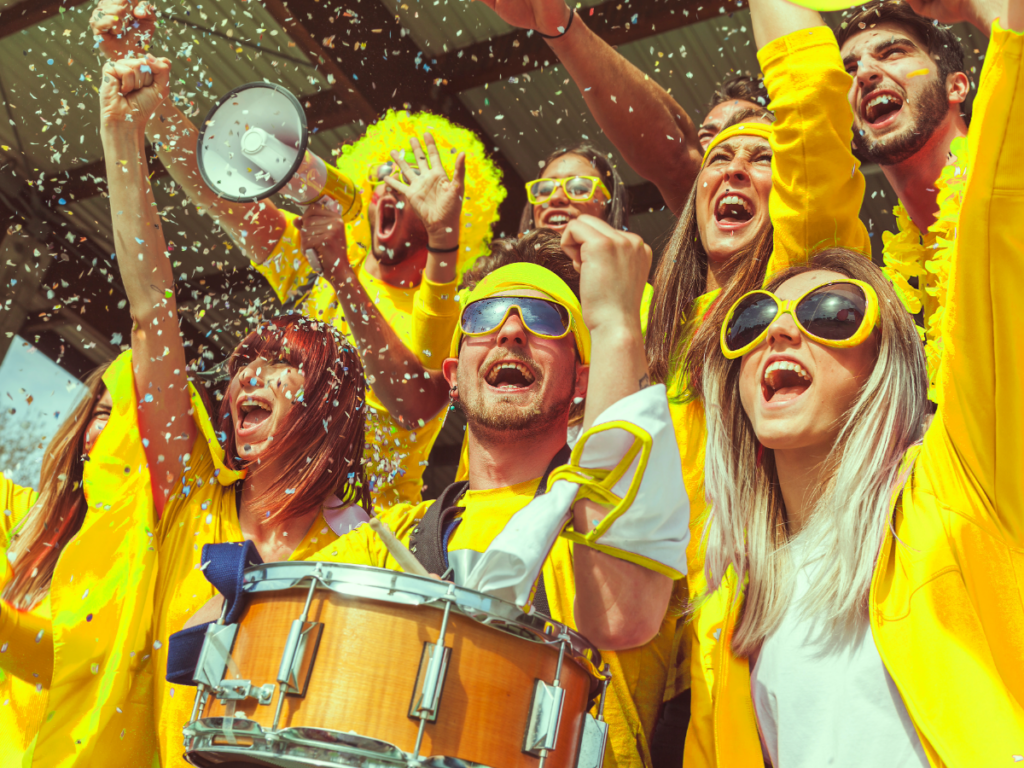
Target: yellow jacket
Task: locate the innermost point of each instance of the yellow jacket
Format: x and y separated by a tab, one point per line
93	660
947	599
817	189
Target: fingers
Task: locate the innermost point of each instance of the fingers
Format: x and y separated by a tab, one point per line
459	174
107	16
435	156
393	183
421	159
399	157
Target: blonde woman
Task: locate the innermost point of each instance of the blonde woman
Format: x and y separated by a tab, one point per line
865	581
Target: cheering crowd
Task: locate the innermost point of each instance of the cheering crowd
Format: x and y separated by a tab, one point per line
824	566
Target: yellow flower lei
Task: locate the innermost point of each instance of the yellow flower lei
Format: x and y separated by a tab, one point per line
483	194
929	258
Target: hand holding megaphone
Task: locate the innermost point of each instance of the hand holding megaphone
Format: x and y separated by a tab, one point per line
253	144
322	233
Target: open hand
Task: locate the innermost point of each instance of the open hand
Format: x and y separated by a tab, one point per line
435	198
131	91
549	17
124	29
980	13
613	267
322	231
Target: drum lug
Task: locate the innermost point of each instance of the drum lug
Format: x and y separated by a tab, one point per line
239	690
426	696
298	657
592	742
545	717
216	650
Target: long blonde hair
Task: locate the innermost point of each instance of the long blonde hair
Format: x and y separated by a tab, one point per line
747	528
60	508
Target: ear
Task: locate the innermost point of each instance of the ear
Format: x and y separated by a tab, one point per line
582	379
449	367
958	86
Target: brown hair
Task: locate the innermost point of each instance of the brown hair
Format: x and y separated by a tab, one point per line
743	86
942	43
321	444
60	508
541	246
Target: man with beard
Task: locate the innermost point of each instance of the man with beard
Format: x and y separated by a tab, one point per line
525	351
908	98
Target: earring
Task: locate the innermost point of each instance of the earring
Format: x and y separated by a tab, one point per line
453	392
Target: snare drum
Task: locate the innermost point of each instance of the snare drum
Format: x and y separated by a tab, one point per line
334	664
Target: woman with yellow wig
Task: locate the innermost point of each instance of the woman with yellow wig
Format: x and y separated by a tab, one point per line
78	571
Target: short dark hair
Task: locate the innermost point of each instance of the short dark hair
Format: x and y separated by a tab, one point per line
942	44
541	246
743	86
618	206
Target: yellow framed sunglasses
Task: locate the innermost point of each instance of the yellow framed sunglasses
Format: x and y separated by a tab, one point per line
377	172
841	313
579	189
542	317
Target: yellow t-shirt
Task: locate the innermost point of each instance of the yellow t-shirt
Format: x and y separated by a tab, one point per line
22	699
396	457
202	511
638	675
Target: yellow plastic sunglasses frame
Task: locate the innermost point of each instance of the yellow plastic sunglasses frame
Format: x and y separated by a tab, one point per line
372	168
867	323
508	311
598	184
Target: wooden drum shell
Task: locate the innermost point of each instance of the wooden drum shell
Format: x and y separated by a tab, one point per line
366	668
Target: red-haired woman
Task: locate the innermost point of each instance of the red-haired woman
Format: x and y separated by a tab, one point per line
282	464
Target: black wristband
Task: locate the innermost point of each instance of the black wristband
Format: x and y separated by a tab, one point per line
432	249
572	15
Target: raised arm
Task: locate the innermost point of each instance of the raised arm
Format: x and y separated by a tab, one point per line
817	186
130	91
124	30
980	405
654	135
619	604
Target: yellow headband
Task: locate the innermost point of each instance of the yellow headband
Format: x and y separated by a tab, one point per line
484	190
764	130
524	276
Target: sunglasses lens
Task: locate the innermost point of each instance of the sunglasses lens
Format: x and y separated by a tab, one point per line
749	320
539	316
542	189
384	170
833	312
578	188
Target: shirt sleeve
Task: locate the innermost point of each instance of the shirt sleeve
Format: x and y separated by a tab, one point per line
979	427
362	546
817	186
435	311
15	502
286	269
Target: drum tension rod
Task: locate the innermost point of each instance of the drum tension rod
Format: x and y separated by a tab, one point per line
546	712
294	654
430	695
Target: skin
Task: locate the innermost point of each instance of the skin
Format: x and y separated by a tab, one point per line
564	167
98	419
740	166
887	60
277	385
719	116
802	426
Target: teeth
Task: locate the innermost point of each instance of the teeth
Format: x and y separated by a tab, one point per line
493	375
784	365
558	219
733	200
249	405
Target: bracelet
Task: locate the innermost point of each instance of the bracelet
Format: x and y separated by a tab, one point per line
572	15
432	249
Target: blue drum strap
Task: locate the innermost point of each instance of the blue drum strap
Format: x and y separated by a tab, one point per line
224	566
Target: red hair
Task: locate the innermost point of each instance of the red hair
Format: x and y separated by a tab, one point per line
321	446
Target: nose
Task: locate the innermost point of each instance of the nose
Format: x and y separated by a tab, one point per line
867	74
512	332
783	332
251	375
559	197
737	169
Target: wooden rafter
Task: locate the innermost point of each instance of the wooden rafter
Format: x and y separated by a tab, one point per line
29	12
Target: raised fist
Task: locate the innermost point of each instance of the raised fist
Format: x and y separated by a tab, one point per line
124	29
131	91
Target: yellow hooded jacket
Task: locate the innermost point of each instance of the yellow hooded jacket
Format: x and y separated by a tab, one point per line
946	606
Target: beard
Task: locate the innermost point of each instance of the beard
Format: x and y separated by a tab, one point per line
505	416
930	111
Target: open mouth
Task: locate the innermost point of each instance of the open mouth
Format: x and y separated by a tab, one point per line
557	220
784	380
387	218
881	109
733	210
510	375
253	412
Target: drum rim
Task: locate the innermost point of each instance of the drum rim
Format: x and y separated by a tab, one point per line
467	602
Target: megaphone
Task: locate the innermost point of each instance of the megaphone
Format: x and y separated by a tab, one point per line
252	145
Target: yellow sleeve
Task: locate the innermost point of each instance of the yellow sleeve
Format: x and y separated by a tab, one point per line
286	269
817	186
435	311
15	502
981	412
364	547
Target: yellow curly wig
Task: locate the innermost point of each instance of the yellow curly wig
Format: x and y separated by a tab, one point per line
484	190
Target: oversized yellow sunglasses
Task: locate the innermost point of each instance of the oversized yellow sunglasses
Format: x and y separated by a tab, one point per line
842	313
377	172
579	189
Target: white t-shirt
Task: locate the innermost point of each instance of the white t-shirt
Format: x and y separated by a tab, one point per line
829	704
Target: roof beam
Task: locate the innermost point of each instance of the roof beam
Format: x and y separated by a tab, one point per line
29	12
519	52
390	74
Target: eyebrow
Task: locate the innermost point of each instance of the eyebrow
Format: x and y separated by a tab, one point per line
881	46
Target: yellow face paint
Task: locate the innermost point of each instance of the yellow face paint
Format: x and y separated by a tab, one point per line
918	72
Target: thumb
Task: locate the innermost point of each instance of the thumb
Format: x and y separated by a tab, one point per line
161	73
111	83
